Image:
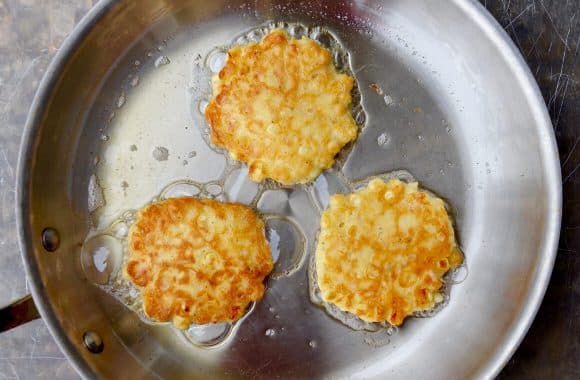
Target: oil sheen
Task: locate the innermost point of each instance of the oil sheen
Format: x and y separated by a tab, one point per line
188	164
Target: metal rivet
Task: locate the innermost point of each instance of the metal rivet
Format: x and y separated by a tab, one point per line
93	342
50	239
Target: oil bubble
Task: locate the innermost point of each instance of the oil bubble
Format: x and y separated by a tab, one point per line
121	100
274	243
459	275
208	335
323	37
162	61
181	189
120	229
340	60
129	216
255	35
287	245
202	106
297	31
214	189
134	81
101	258
216	60
360	118
383	140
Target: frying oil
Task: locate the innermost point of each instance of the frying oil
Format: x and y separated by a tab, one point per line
382	331
105	250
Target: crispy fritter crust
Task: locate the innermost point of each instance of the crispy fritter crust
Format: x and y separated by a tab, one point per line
197	260
281	107
383	251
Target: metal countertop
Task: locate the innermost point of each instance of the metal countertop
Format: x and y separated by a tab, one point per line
547	33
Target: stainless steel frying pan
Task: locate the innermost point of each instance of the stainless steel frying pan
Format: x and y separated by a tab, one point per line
457	107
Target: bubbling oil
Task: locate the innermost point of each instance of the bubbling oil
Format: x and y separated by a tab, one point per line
215	60
287	243
382	331
105	252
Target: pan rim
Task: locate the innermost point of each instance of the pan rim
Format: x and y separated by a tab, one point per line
535	294
26	155
499	39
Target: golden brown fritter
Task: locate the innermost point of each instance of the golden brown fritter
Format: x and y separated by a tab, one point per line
197	260
281	107
383	250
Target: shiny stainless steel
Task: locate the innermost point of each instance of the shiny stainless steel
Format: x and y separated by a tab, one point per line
460	111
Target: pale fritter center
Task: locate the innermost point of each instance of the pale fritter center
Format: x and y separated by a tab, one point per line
281	107
197	260
383	251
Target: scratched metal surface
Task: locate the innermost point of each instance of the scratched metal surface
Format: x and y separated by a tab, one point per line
546	31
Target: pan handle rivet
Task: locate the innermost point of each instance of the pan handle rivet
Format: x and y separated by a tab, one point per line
93	342
50	239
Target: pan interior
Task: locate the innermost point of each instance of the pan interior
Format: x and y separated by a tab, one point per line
155	137
440	101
